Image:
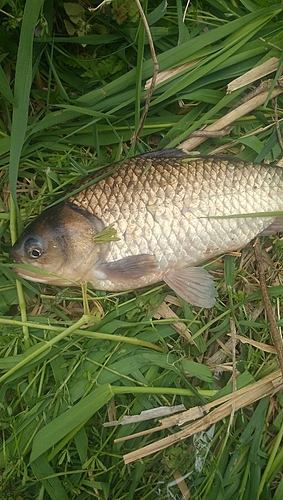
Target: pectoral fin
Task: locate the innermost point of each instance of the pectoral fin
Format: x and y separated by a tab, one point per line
194	284
127	269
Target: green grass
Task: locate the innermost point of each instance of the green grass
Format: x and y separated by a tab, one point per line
71	359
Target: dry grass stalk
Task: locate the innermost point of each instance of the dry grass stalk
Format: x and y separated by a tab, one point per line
246	107
220	356
234	371
275	333
137	134
254	74
258	345
165	312
168	73
162	411
235	400
181	483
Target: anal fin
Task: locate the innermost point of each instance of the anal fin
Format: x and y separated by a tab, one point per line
193	284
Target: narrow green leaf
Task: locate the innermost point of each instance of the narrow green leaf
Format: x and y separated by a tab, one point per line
81	441
5	87
248	215
229	271
47	476
233	44
279	490
157	13
87	39
5	145
23	80
10	361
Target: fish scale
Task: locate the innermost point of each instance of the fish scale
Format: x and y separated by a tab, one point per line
143	209
165	209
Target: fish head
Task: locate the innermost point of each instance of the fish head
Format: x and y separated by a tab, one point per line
60	241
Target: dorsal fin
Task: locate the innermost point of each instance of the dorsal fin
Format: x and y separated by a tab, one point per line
165	153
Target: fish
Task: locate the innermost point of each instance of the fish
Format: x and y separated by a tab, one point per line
155	217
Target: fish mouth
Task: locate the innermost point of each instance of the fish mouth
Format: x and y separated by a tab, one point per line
29	275
17	261
41	276
15	256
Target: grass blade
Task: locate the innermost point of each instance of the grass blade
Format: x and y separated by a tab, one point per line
46	475
23	80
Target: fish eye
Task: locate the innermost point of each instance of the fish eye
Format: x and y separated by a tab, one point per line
33	248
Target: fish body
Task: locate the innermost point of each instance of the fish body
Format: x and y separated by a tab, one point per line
171	212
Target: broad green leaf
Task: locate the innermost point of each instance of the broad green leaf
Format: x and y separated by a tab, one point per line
197	370
56	430
73	9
